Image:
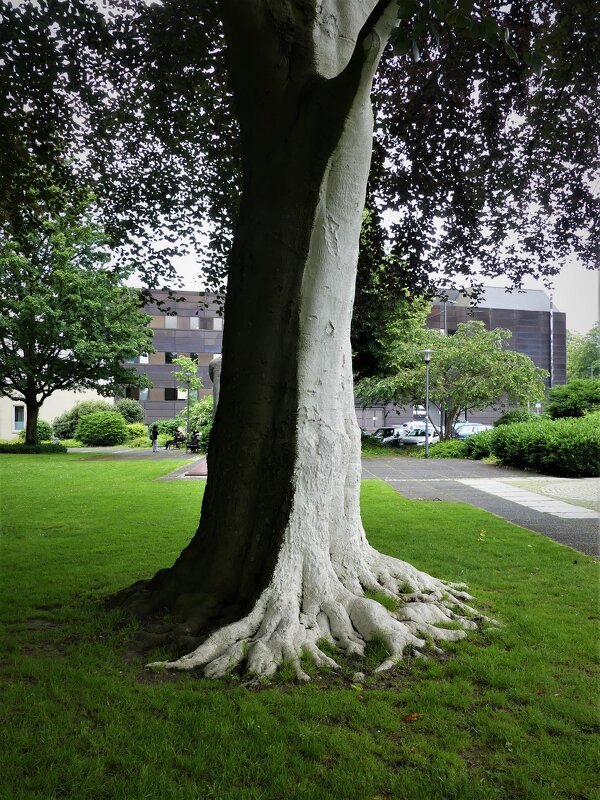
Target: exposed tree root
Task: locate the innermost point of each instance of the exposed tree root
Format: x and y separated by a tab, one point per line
285	624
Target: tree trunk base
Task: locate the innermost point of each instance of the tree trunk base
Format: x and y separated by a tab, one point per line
285	626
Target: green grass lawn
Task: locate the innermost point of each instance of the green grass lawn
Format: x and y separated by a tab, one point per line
511	713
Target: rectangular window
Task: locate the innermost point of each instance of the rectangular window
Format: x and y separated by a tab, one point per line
143	395
171	322
194	324
182	394
193	395
18	418
218	324
170	394
132	391
134	360
170	358
144	358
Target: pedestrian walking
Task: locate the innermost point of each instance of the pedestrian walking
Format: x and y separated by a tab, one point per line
154	437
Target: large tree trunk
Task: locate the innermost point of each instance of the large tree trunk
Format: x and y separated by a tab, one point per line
280	559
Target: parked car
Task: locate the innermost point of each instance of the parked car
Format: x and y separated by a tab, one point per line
463	430
386	433
416	436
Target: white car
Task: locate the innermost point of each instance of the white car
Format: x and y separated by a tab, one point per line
465	429
416	436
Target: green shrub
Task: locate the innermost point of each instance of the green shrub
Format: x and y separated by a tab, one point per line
140	441
130	409
66	424
24	449
44	432
511	417
451	448
137	430
574	399
480	445
71	443
568	448
167	426
102	429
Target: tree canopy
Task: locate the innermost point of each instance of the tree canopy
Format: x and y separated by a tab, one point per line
484	151
471	369
66	319
583	354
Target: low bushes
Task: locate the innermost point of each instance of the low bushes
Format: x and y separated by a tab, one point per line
44	432
574	399
102	429
480	445
568	448
137	430
66	424
130	409
450	448
518	415
23	449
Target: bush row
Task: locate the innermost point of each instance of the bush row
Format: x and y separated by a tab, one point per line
32	448
568	447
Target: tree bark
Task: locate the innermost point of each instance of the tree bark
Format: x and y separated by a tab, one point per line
32	408
280	559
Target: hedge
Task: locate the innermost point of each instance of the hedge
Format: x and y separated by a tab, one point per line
22	449
480	445
450	448
567	448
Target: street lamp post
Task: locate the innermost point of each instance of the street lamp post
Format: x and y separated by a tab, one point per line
187	429
427	358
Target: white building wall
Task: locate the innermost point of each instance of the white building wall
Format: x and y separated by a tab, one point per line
56	404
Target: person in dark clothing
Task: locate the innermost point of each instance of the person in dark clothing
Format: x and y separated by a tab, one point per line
154	437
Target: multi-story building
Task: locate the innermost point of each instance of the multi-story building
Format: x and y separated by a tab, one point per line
538	330
190	325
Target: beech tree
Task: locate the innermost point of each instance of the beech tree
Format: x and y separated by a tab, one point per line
260	112
66	320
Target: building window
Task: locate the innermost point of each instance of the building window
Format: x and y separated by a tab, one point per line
143	395
170	358
171	322
194	323
144	358
132	391
182	394
218	324
18	418
194	356
170	394
193	395
134	360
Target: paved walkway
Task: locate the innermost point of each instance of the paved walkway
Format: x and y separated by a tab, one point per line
520	497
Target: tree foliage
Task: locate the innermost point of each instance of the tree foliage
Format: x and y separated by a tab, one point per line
102	429
485	124
575	399
130	409
583	354
66	319
470	370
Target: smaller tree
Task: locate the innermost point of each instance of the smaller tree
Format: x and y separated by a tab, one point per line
470	370
583	354
186	376
66	319
574	399
201	419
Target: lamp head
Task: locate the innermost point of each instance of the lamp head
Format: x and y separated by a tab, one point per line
427	355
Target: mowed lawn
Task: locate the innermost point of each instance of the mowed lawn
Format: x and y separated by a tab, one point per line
510	713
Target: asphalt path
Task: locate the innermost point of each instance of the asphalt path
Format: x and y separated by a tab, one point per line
458	480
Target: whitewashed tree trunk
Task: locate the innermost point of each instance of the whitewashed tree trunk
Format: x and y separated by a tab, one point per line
281	559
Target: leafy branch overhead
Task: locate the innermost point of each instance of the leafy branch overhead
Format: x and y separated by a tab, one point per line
486	128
